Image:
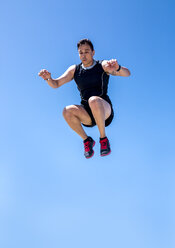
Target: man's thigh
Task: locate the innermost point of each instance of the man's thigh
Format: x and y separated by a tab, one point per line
81	113
107	108
106	105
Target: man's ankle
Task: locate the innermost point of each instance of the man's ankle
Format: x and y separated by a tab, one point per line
88	139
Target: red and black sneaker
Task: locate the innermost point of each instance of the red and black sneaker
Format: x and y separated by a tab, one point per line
105	147
89	143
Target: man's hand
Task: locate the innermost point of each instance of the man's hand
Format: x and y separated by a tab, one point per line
111	66
44	74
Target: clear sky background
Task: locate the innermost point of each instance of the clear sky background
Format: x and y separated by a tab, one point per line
50	195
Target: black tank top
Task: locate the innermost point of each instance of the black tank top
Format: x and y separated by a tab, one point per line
92	81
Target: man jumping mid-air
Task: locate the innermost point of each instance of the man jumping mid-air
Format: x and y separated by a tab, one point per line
91	77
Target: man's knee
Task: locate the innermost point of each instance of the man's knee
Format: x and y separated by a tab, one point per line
71	111
68	112
94	102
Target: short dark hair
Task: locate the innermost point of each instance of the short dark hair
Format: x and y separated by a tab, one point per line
85	41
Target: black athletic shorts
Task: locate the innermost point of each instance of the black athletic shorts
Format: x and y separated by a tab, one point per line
87	108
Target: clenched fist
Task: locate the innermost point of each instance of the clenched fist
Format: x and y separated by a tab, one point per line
45	74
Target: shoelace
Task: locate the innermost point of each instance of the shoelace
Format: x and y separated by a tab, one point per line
103	144
87	146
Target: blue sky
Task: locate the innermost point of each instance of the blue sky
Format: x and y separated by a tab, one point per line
50	195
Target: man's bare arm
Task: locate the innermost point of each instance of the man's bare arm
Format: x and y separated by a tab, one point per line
66	77
112	67
124	72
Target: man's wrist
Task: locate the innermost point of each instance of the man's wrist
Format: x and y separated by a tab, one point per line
119	68
48	79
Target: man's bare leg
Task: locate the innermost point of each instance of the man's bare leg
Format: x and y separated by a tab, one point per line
74	116
101	110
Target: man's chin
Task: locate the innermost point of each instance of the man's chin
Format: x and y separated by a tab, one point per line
86	62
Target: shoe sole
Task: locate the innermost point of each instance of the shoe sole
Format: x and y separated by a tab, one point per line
103	155
90	156
92	153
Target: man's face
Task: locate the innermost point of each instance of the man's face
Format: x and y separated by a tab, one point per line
86	54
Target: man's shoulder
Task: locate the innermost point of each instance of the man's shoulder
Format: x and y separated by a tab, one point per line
72	68
101	64
77	66
99	61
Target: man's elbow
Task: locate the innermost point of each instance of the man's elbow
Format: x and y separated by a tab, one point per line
125	72
128	73
55	87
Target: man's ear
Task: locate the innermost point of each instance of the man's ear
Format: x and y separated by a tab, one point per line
93	52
